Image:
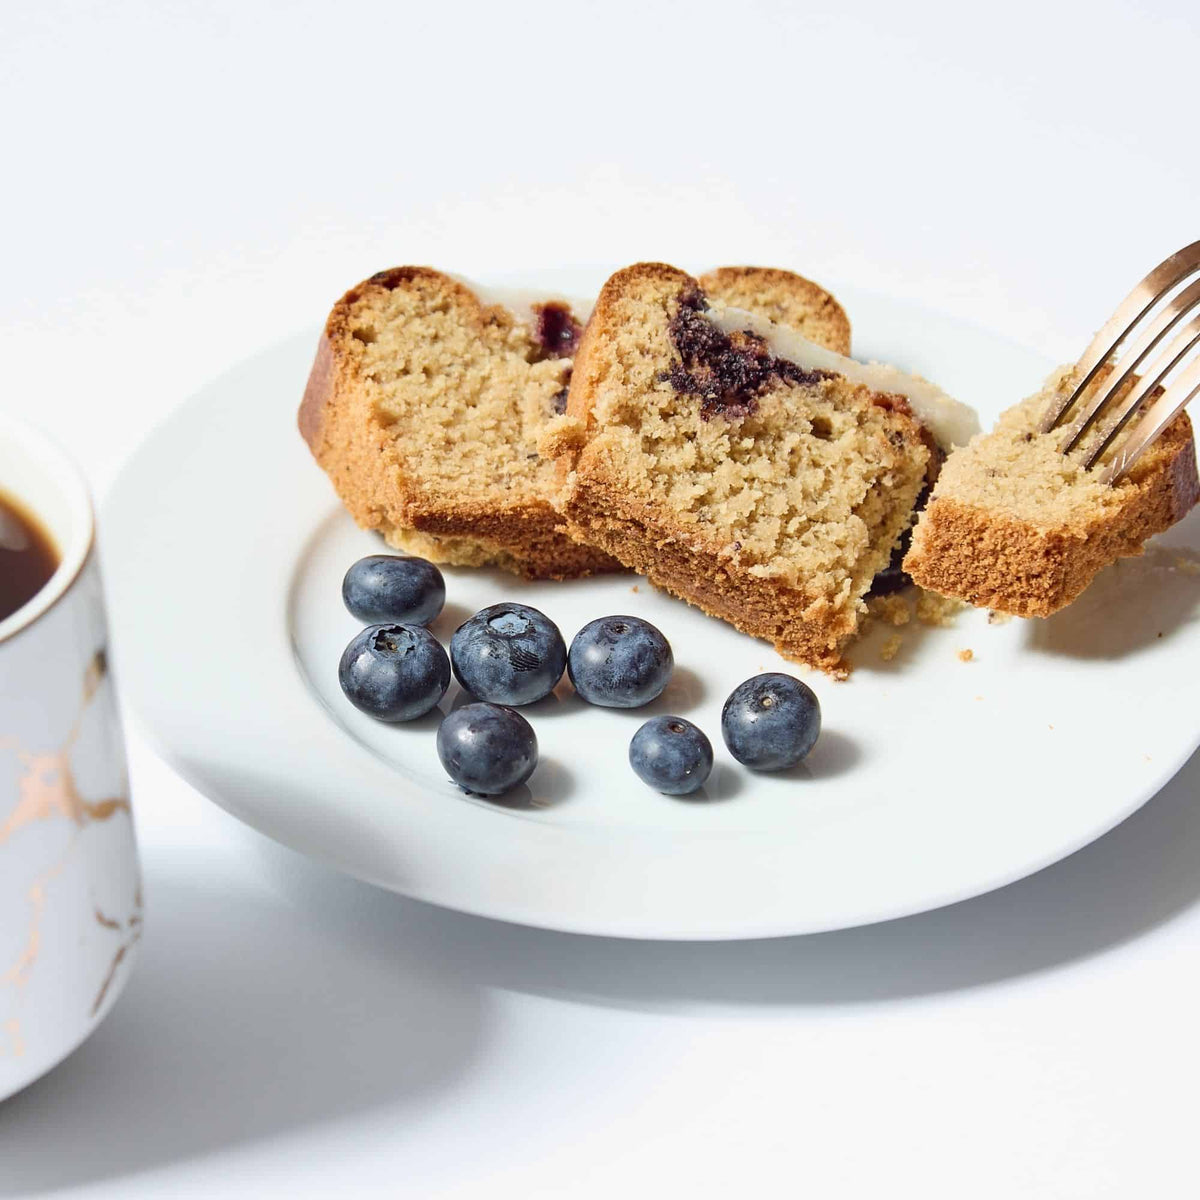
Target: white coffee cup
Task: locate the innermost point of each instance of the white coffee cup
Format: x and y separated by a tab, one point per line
70	888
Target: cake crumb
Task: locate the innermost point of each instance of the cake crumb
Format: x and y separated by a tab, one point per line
634	589
939	611
891	647
966	655
892	610
999	618
978	697
1188	564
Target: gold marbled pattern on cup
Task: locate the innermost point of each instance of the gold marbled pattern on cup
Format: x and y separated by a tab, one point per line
70	891
46	790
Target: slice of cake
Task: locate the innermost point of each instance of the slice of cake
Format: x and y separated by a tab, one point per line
1015	526
739	466
428	397
423	407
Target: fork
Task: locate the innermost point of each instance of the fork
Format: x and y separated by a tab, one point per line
1138	341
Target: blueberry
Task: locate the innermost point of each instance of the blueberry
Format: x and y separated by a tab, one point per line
671	755
382	588
487	748
394	672
771	722
508	654
620	662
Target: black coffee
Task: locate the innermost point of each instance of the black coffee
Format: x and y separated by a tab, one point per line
27	556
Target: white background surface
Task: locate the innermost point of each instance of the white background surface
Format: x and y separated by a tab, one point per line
185	184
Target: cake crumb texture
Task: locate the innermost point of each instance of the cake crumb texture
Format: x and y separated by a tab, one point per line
771	505
892	609
940	612
1015	526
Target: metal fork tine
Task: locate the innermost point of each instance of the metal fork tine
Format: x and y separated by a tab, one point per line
1181	346
1157	417
1175	312
1168	274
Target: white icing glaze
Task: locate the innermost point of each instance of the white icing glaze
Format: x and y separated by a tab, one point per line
521	301
951	422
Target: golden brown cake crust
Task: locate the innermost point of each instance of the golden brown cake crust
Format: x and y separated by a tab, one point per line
804	631
1010	565
786	299
337	419
806	626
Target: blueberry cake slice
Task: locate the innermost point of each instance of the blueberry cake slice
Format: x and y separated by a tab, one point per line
428	396
738	465
423	407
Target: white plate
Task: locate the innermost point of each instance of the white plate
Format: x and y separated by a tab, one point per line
934	780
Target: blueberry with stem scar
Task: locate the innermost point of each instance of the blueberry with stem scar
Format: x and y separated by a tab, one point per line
771	722
672	755
394	672
620	662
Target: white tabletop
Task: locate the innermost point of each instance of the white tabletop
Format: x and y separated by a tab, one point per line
185	184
